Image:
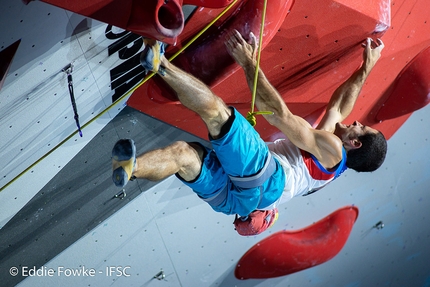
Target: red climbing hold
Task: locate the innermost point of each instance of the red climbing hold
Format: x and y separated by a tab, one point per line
286	252
158	19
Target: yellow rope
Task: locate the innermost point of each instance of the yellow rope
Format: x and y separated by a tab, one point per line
251	115
119	99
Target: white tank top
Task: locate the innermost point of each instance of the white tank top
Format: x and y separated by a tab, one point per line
304	175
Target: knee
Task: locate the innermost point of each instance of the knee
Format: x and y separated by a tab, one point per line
189	158
180	147
188	149
199	149
217	124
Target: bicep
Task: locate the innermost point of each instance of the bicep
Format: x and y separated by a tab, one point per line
299	132
325	146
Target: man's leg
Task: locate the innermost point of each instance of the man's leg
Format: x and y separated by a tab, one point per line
243	156
184	159
196	96
180	157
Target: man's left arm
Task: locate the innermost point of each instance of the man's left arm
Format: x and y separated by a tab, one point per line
343	99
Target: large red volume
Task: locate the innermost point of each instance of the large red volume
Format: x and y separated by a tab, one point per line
411	89
208	3
157	19
286	252
208	58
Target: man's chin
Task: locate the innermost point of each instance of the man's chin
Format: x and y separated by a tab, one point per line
338	129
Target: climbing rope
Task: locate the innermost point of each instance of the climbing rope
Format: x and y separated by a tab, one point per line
251	114
144	80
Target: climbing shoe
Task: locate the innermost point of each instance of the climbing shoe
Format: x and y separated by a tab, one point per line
123	161
150	58
256	222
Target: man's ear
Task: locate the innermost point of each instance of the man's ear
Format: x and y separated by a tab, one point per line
352	143
355	143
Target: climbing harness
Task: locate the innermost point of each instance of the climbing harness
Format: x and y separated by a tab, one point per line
144	80
68	70
256	180
251	114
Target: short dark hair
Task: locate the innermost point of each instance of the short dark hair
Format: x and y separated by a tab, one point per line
371	154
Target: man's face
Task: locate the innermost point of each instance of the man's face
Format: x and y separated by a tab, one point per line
349	133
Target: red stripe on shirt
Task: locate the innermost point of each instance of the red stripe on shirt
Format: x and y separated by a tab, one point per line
313	168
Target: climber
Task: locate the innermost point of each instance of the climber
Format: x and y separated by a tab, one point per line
241	174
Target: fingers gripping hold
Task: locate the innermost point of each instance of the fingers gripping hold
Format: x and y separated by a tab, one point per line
372	51
239	49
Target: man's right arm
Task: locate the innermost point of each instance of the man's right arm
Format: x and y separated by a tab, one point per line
267	97
326	147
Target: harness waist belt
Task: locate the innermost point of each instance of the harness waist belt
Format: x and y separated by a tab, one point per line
258	179
218	198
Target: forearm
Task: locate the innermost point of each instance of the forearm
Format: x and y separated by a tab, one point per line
345	96
267	97
343	99
295	128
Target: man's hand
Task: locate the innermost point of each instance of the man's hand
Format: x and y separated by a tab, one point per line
242	52
372	52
